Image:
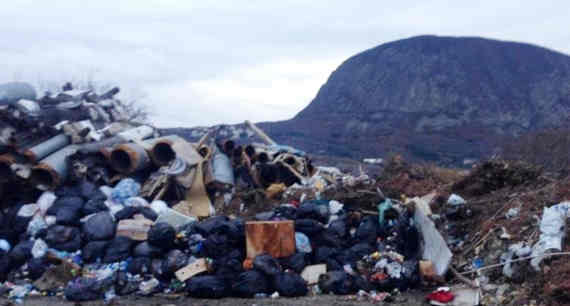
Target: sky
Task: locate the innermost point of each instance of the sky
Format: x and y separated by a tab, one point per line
200	63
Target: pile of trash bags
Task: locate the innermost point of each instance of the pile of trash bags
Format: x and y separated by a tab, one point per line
81	224
95	207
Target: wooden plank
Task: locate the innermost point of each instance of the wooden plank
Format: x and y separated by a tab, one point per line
198	266
136	229
277	238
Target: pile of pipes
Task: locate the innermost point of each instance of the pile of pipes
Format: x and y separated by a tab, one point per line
77	135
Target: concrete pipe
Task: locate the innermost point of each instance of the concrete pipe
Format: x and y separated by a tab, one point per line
45	148
52	170
128	158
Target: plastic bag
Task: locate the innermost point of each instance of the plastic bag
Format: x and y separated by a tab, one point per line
455	200
63	238
296	262
139	265
125	189
308	227
367	230
337	282
552	230
94	250
249	283
45	201
175	260
100	226
266	264
118	249
145	249
289	284
161	235
86	289
208	287
302	243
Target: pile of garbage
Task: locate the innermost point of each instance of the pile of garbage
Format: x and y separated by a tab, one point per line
94	206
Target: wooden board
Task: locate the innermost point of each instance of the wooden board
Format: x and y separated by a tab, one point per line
136	229
277	238
198	266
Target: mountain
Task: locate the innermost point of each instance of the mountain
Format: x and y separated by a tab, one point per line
432	98
443	99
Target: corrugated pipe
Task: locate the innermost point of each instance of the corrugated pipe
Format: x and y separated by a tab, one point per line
52	170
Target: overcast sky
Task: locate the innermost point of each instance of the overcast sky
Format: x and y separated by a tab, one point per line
209	62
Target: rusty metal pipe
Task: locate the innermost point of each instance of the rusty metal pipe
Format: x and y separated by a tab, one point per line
128	158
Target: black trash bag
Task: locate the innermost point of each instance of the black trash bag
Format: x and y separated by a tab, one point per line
367	230
286	212
67	191
118	249
266	264
21	252
87	190
125	285
94	250
309	210
148	213
63	238
308	227
212	225
87	289
229	266
321	254
362	283
69	216
18	224
337	282
216	246
296	262
355	253
158	270
249	283
126	213
410	273
162	235
289	284
140	265
94	206
207	287
409	244
333	265
67	210
100	226
37	267
325	238
145	249
175	260
338	228
5	266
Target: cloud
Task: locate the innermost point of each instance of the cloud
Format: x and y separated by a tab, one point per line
206	62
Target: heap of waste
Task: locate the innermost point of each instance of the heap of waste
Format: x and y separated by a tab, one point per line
95	207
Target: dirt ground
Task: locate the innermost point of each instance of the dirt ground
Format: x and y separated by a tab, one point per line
412	298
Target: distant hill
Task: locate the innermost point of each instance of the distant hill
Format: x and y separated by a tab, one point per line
432	98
